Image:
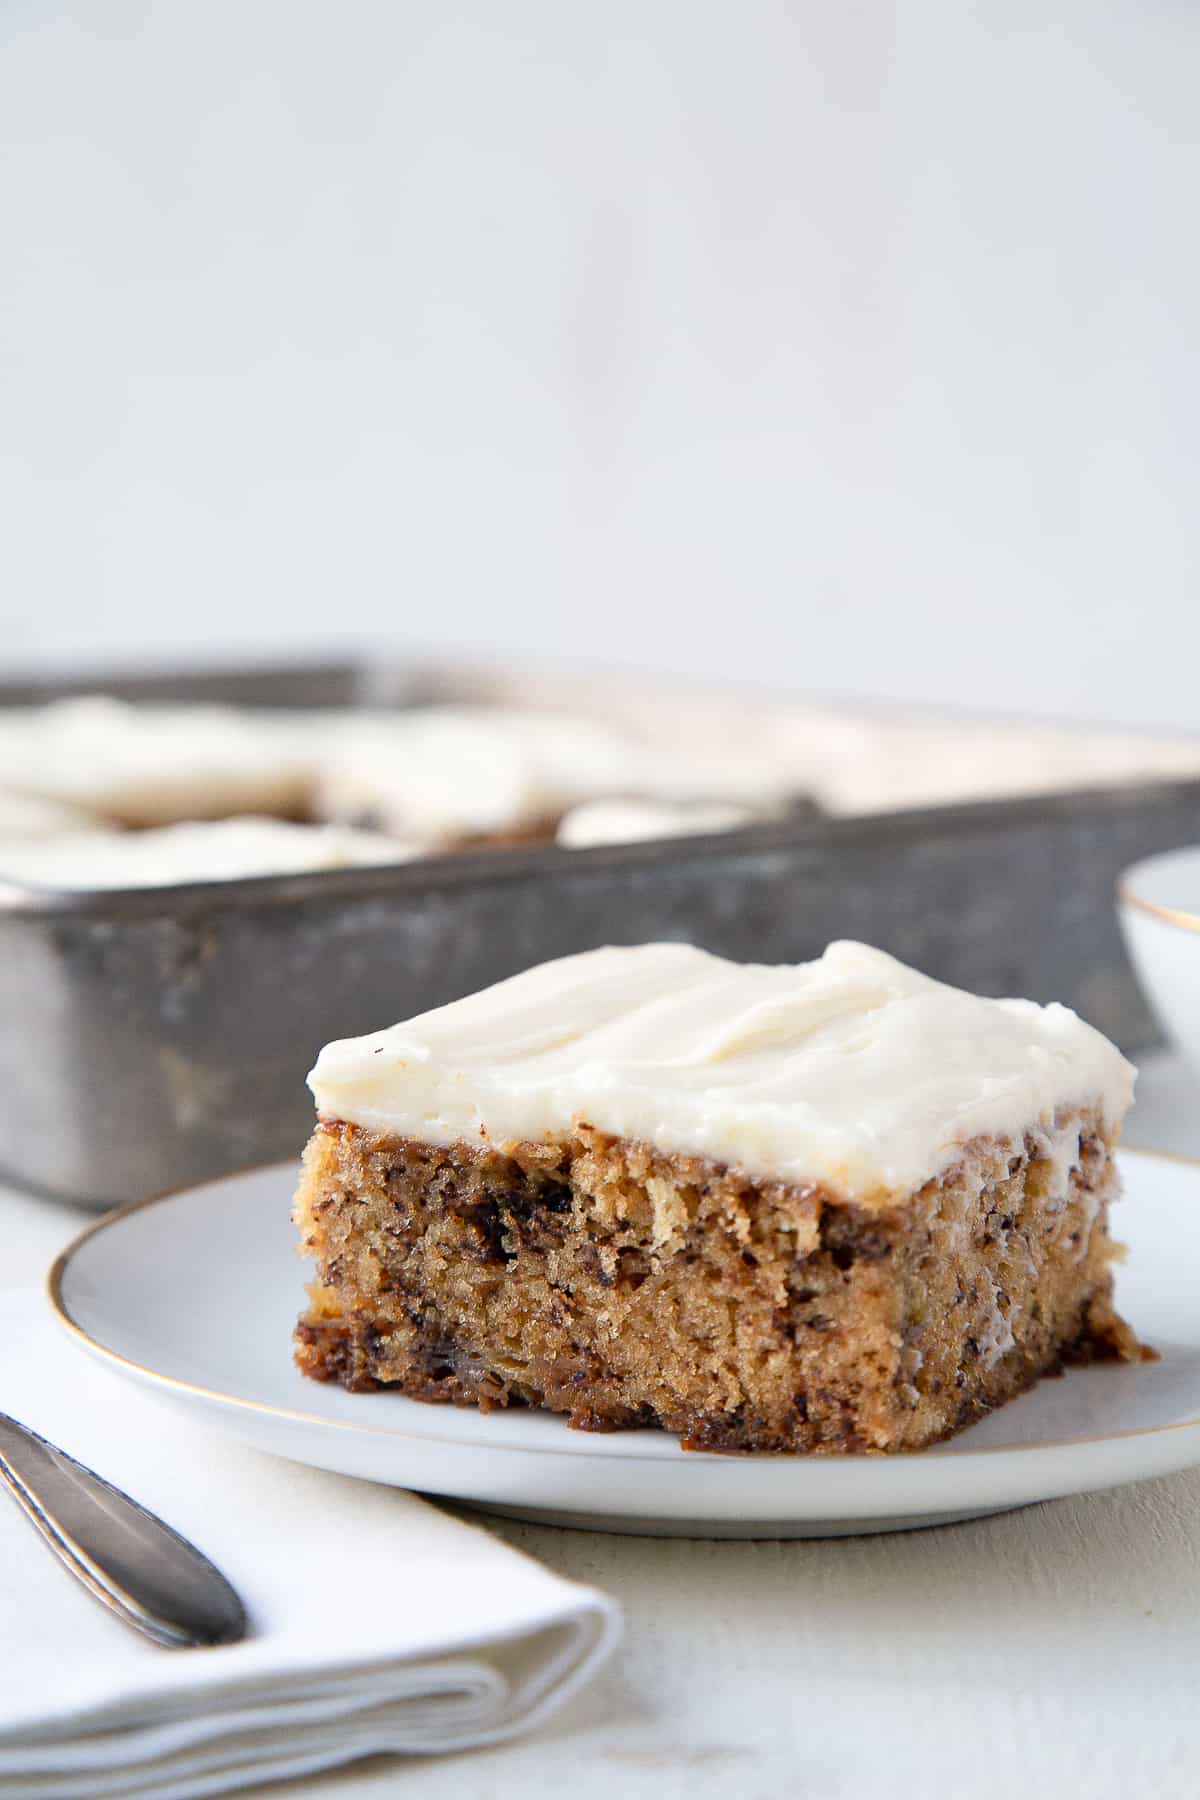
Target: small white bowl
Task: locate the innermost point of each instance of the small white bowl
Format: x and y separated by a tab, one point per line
1158	902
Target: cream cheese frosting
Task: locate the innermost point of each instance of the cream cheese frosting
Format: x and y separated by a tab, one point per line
443	773
853	1070
150	765
23	817
865	762
210	850
639	821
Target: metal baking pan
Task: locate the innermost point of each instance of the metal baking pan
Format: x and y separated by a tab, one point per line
155	1037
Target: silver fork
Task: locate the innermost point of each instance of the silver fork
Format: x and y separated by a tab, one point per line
127	1558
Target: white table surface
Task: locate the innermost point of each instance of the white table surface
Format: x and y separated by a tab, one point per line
1052	1651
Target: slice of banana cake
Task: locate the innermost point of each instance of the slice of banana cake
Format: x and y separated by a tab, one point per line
824	1208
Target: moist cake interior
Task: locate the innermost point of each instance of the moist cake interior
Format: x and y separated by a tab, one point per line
623	1286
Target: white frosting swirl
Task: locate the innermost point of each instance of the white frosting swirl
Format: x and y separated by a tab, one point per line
637	821
25	818
149	765
852	1070
211	850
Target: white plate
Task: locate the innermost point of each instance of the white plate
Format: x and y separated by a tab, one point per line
1158	904
195	1295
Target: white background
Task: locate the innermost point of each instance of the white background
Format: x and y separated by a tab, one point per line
846	345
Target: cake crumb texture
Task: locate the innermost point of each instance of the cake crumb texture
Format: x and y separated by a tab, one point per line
622	1285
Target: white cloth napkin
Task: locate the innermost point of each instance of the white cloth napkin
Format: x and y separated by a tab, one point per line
378	1623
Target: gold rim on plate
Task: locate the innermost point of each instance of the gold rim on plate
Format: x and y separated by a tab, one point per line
1170	915
54	1293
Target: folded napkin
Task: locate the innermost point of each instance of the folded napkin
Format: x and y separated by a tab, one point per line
378	1623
